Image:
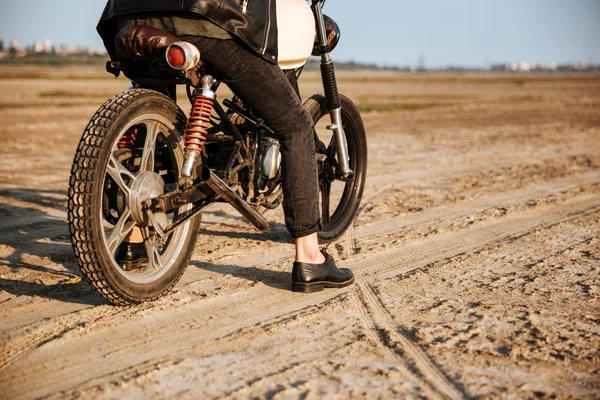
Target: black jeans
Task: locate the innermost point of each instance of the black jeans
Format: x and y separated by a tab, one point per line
266	90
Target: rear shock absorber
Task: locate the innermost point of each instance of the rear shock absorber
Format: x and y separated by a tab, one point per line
198	123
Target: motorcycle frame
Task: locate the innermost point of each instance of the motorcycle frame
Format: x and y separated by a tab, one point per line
221	184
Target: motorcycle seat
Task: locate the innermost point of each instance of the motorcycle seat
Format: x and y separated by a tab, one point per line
139	42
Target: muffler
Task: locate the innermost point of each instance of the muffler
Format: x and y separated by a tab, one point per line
223	190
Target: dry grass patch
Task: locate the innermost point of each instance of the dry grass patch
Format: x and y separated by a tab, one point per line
387	107
33	104
409	102
70	94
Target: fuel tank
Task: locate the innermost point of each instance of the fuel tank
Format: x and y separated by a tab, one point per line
296	32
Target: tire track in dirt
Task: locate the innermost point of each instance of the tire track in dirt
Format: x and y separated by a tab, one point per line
363	233
366	233
358	236
92	388
185	323
249	346
457	318
379	183
417	255
140	337
442	143
23	199
462	209
422	363
374	332
351	242
48	331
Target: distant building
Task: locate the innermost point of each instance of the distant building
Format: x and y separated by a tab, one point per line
44	46
15	49
552	66
524	67
577	66
47	46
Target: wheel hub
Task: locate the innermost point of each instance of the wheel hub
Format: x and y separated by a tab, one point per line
147	185
330	168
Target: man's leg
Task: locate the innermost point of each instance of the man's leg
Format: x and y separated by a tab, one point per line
307	249
266	90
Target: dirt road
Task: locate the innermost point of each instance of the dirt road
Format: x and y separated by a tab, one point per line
476	251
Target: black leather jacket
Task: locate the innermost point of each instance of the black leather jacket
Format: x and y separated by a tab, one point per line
253	21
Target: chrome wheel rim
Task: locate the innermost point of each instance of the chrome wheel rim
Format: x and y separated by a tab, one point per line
145	179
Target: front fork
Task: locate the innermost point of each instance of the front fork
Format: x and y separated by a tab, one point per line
334	105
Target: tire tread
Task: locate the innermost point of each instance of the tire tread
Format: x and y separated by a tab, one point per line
83	174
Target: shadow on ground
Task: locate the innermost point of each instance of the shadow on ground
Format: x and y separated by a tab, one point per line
276	233
41	246
275	279
41	243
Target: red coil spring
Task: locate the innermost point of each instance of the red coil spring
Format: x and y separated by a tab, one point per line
198	123
129	138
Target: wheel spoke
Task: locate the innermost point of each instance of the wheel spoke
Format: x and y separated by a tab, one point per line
325	192
154	260
147	162
120	231
117	171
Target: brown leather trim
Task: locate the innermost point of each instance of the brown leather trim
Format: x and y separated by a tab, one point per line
138	42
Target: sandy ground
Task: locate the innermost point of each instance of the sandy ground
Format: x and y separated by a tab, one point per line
476	251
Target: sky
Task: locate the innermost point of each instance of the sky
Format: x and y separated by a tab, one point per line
438	33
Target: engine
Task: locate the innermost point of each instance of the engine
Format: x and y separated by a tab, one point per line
268	161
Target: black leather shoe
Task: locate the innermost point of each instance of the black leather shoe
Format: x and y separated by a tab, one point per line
316	277
131	256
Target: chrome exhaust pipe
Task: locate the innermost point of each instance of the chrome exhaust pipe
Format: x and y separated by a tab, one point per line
223	190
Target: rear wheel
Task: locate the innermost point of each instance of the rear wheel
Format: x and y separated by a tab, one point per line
130	151
339	198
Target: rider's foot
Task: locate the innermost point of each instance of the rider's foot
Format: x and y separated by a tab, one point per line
308	277
131	256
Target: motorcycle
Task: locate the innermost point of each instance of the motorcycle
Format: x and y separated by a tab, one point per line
142	165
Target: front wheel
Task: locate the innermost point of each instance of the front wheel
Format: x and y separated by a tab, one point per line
131	151
339	198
